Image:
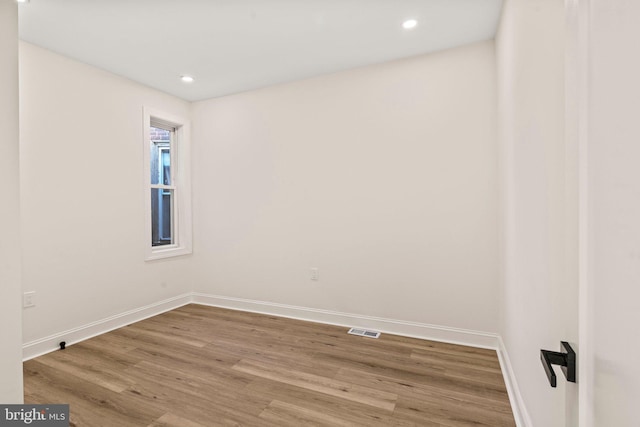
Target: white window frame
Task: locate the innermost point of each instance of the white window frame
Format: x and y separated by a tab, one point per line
180	149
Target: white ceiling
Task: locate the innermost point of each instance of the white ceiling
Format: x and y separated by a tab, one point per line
231	46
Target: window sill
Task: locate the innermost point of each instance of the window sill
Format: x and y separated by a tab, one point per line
167	252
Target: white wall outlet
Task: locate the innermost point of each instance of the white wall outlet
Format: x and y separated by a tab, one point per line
29	299
315	275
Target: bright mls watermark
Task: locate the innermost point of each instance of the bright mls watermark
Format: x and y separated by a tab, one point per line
34	415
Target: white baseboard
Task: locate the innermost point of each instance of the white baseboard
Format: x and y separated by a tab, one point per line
391	326
48	344
518	407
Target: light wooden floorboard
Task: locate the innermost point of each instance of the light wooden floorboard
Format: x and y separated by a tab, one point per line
203	366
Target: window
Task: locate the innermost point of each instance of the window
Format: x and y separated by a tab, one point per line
162	189
168	198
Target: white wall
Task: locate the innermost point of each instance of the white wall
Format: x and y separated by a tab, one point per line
83	197
539	203
10	289
614	214
385	178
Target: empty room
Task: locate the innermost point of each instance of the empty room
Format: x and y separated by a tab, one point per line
336	213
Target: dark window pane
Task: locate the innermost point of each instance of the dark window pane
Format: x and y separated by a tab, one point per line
162	217
160	156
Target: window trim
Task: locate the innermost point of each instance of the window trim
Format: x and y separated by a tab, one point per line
180	149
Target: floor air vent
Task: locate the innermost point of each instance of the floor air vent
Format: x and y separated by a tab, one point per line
364	333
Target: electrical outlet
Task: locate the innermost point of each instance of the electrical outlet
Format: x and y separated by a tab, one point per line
315	275
29	299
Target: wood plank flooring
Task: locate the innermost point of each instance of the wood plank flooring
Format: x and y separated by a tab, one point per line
200	366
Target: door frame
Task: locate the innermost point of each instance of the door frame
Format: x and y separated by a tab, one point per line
577	67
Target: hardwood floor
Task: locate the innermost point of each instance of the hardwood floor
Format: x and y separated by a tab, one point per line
203	366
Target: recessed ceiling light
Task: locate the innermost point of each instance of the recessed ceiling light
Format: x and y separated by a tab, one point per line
22	1
186	79
409	24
